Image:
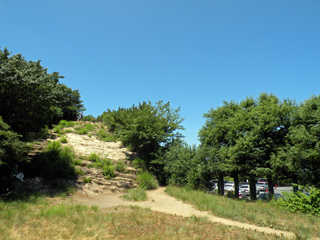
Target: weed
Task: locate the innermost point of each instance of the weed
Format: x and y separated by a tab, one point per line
87	180
78	162
108	172
94	208
94	157
80	172
64	139
120	167
136	194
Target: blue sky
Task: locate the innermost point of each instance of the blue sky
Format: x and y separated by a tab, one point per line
193	54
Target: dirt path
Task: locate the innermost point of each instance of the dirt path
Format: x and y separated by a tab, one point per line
158	200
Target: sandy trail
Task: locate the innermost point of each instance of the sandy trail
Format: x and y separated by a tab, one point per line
158	200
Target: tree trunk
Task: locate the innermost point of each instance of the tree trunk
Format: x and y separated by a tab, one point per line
221	185
236	185
270	186
295	180
253	194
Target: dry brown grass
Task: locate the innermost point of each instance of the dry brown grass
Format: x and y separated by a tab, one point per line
41	220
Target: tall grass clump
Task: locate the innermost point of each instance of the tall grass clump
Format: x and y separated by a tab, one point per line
136	194
108	171
55	162
66	124
93	157
120	167
147	181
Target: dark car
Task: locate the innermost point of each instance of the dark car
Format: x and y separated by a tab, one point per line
266	196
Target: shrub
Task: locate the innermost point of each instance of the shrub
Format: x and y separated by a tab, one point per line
54	162
147	181
108	171
301	202
120	167
136	194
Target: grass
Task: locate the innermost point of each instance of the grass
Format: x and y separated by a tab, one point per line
103	135
37	218
135	194
263	214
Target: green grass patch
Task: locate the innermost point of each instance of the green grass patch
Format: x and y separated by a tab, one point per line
263	214
103	135
135	194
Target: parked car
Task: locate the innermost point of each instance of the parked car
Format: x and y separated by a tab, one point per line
266	196
262	180
244	190
261	187
228	187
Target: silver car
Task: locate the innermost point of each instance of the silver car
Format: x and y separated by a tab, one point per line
261	187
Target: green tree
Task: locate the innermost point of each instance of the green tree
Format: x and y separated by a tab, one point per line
30	98
12	150
301	155
147	129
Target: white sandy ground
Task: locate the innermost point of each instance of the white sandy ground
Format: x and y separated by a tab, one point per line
158	200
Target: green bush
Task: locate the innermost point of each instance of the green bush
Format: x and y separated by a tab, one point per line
308	202
136	194
108	171
147	181
120	167
54	162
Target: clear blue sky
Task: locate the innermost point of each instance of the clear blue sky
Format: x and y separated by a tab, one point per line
194	54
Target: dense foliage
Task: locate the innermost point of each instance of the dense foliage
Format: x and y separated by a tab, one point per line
147	129
11	148
31	98
306	201
55	162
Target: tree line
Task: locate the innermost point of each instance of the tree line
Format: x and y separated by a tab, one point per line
262	137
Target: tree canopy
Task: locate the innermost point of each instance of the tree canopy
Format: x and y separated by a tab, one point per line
30	97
